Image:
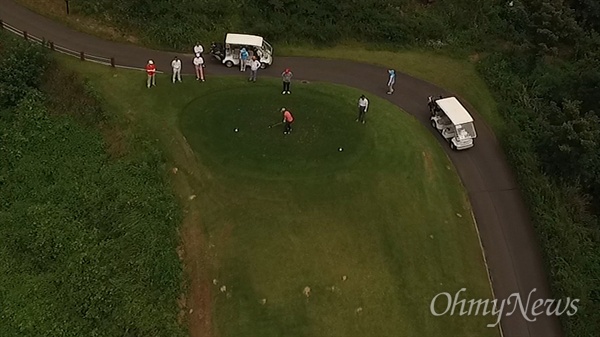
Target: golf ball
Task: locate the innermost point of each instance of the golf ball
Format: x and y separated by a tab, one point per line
235	130
340	149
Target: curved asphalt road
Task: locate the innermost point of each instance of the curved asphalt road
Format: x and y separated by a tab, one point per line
510	245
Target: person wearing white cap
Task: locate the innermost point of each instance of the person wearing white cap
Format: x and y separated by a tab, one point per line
176	65
151	71
199	64
198	49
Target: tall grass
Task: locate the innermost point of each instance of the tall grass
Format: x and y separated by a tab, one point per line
87	241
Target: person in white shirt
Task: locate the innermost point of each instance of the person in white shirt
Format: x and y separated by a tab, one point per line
176	65
198	49
363	106
199	64
254	66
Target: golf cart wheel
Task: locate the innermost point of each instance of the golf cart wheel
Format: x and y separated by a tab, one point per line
263	65
229	64
434	124
452	146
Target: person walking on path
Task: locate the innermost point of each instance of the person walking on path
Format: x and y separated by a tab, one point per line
199	65
176	65
288	119
287	80
244	56
391	81
254	66
363	106
151	71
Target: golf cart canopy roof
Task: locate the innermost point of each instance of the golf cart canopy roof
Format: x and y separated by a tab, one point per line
454	110
244	40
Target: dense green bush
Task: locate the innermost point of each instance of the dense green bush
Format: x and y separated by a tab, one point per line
179	24
87	242
21	67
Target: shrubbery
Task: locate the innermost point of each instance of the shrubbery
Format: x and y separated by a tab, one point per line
179	24
87	242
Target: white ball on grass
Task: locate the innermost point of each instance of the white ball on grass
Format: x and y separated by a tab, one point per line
340	149
235	130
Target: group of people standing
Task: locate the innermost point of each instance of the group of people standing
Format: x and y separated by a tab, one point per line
198	62
245	60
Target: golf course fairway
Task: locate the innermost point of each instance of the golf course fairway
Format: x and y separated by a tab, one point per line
374	232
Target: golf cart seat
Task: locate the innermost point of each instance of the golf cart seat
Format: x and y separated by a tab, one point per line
444	120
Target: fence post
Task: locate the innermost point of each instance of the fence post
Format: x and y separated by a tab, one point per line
51	45
25	35
81	56
112	62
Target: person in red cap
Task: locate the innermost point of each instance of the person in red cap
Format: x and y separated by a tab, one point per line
286	75
288	119
151	71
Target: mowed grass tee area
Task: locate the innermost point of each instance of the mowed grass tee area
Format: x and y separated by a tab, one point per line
304	239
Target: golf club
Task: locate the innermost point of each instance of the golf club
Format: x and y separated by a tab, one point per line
272	125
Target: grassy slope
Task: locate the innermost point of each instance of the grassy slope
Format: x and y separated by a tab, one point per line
87	241
376	235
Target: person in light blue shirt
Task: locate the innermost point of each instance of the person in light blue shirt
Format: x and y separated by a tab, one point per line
391	81
244	56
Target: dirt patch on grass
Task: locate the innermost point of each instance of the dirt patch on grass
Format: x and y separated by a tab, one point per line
475	57
57	10
196	304
428	165
115	140
197	265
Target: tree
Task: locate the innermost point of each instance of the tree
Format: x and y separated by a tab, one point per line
570	145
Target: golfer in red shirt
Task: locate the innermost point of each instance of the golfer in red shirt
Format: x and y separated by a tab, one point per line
288	119
151	71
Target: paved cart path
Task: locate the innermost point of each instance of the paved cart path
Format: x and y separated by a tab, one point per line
506	232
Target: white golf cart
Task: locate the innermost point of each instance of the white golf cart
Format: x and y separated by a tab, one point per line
452	121
229	54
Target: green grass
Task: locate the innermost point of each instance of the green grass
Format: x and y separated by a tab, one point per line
208	124
382	212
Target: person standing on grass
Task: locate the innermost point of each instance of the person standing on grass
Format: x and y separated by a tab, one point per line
151	71
199	65
288	119
198	49
391	81
176	65
254	66
363	106
287	80
244	56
